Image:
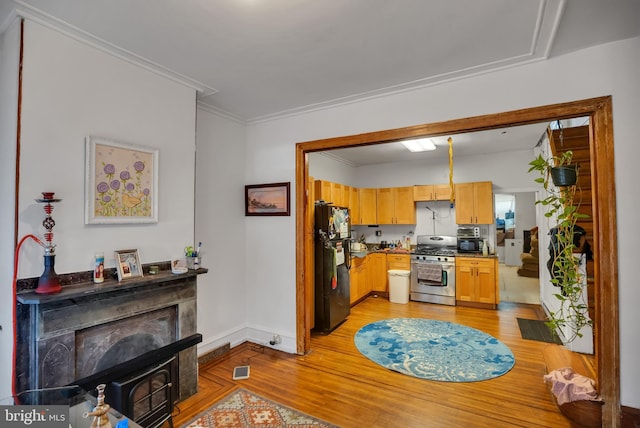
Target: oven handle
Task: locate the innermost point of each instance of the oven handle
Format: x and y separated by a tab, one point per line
445	273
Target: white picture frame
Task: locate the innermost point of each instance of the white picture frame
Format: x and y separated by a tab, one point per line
128	264
121	182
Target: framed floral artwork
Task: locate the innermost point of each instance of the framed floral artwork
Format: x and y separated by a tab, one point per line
121	184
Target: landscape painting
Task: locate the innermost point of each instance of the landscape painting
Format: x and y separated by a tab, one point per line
267	199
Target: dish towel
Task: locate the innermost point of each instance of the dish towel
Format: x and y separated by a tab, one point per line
334	269
430	272
569	386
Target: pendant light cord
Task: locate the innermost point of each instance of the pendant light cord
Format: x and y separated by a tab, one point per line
452	193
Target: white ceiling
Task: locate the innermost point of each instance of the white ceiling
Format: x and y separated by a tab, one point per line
258	59
476	143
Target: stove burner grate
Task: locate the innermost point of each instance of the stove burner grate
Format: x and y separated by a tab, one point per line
434	252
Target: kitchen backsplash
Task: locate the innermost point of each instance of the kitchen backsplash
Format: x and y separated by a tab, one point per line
432	218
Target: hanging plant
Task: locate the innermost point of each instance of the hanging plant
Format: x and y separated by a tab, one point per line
564	264
563	176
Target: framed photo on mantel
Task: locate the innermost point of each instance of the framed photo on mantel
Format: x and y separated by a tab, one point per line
128	264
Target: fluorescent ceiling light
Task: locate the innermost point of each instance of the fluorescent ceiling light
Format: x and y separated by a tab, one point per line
419	145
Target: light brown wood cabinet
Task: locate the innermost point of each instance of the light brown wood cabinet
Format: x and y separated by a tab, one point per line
368	206
377	267
337	194
354	205
334	193
474	203
322	190
359	284
431	192
477	282
396	262
395	205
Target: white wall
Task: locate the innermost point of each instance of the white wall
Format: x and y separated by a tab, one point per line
323	167
604	70
70	90
220	226
9	59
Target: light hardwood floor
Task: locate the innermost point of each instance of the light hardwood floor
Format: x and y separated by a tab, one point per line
336	383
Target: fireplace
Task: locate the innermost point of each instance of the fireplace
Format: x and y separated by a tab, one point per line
112	333
147	397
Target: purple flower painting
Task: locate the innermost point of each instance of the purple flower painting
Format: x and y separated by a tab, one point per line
123	183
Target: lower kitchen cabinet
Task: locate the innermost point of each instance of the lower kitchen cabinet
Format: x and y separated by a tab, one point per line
377	267
477	282
396	262
359	284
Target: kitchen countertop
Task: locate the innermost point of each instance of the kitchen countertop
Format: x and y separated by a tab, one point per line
477	255
361	254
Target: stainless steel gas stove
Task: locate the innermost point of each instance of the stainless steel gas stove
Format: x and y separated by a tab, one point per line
433	270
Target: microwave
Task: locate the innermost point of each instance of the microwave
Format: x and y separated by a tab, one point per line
468	232
469	245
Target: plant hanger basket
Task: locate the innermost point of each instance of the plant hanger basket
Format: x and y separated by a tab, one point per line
566	175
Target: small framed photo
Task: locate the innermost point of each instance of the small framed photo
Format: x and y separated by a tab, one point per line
267	199
128	264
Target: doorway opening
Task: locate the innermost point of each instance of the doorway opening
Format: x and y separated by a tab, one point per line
599	111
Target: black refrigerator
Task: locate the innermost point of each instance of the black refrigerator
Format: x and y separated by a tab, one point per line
332	264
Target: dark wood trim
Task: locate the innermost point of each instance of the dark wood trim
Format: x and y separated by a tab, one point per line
605	236
18	135
630	417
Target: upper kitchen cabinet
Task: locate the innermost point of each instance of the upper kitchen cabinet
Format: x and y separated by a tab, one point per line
354	205
396	205
431	192
338	195
474	203
368	206
322	190
333	193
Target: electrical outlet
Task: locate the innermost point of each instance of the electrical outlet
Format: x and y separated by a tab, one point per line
276	340
378	233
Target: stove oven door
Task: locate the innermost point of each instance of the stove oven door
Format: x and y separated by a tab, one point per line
433	278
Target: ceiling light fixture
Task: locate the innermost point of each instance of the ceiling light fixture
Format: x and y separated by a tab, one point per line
419	145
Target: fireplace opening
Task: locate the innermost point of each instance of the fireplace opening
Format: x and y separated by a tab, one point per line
126	349
108	344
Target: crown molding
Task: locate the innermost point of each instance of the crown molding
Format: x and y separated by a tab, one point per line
220	112
31	13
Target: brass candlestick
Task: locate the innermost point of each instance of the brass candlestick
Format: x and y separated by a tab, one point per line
100	412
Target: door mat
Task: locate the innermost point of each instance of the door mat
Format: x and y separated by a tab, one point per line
537	330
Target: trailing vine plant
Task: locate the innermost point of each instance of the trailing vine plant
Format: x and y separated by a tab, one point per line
562	203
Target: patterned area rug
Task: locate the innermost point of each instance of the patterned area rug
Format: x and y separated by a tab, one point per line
242	409
435	350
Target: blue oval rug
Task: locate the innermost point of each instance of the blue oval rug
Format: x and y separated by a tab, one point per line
435	350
